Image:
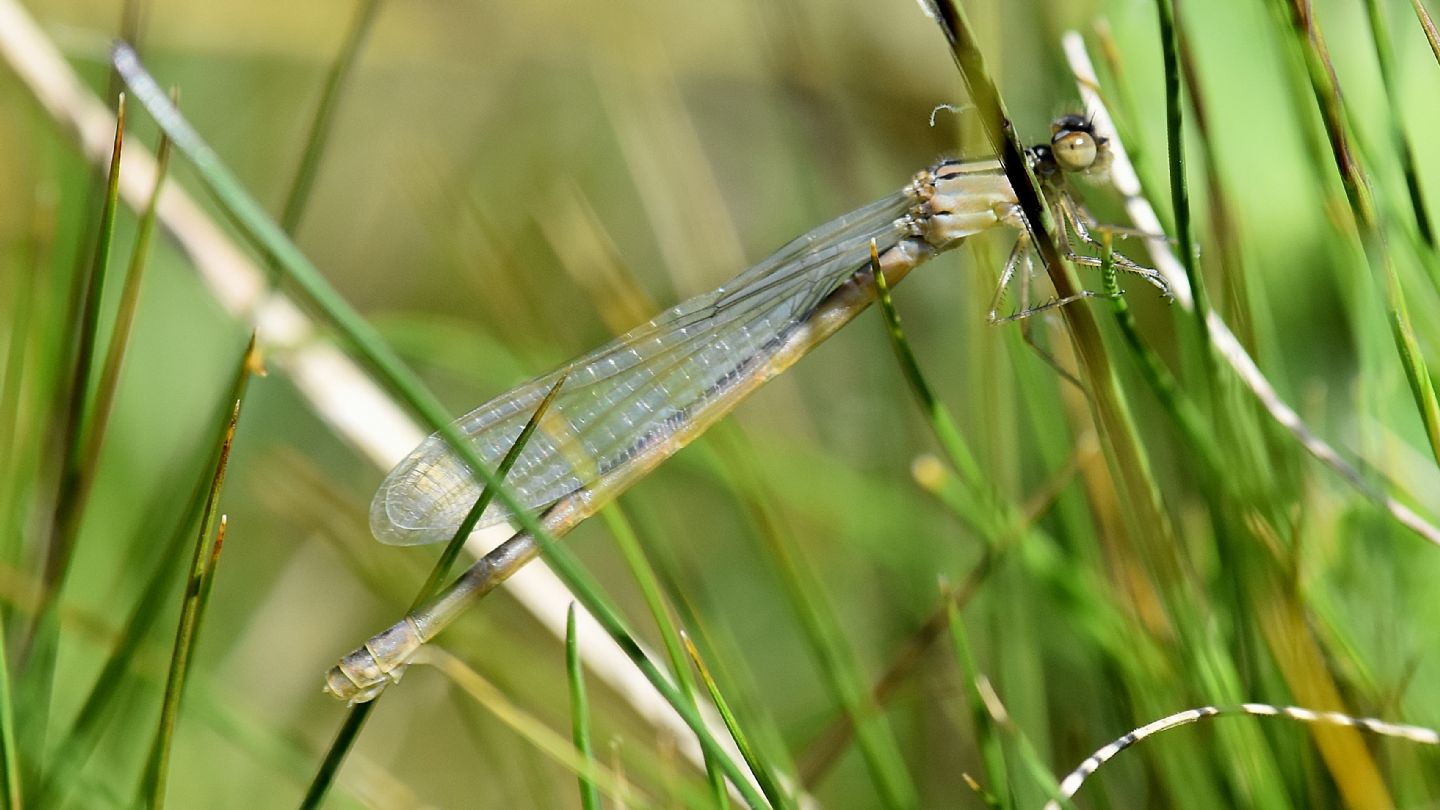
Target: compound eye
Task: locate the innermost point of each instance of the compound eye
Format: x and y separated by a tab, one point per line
1074	151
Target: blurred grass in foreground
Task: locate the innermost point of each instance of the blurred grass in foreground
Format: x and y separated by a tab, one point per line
507	185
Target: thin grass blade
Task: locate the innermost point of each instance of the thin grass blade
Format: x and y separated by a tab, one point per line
670	634
323	122
100	705
1385	57
349	731
38	648
987	736
1432	35
610	781
1354	178
580	714
153	784
764	774
10	777
452	549
873	735
936	413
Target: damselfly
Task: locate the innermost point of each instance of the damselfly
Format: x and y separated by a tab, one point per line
627	406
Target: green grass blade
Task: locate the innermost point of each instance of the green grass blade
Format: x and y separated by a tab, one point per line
100	705
98	421
340	746
152	786
999	523
109	382
10	778
453	548
75	478
206	586
579	713
1182	411
828	746
650	590
18	466
70	500
1138	529
21	291
873	735
1385	57
1354	179
936	413
355	719
38	648
992	751
323	122
764	774
589	594
990	718
1427	25
553	744
1179	185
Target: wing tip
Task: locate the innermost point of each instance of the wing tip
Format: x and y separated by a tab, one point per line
388	522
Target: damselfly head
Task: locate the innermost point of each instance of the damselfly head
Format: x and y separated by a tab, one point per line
1076	148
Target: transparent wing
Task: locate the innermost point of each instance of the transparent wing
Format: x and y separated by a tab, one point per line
632	392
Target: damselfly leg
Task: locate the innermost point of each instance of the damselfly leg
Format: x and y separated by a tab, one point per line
1022	262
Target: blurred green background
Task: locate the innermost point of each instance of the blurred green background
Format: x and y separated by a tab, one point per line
510	184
